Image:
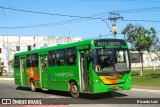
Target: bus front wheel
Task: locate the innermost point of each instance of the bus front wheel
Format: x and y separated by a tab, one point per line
74	90
33	88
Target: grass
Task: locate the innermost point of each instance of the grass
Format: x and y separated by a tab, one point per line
149	78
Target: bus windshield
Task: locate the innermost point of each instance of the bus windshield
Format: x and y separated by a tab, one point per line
111	60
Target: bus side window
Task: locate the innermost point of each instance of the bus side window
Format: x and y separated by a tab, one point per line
71	56
16	62
34	60
51	58
28	61
60	57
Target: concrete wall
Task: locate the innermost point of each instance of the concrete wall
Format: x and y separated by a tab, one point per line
149	59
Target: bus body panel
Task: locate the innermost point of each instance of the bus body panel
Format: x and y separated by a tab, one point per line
17	77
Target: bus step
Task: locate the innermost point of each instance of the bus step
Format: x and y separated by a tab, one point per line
44	89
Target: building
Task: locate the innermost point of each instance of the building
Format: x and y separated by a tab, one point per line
12	44
149	59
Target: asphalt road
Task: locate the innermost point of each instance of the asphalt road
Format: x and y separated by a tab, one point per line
9	90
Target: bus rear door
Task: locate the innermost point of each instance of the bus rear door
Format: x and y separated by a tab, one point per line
43	71
22	71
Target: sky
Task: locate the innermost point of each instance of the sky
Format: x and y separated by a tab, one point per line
13	22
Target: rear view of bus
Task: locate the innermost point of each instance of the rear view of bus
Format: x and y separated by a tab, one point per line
109	66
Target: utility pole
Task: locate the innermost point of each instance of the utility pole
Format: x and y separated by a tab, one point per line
69	33
69	38
34	44
7	48
114	17
100	36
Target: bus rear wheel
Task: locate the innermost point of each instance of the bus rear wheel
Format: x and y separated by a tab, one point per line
74	90
32	85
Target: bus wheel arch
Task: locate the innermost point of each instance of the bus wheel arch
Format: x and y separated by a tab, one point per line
73	89
32	85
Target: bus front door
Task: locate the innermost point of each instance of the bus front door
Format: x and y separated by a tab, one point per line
84	71
43	68
22	72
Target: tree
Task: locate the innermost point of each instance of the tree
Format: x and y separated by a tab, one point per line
140	38
156	47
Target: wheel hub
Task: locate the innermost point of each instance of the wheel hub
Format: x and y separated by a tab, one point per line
74	89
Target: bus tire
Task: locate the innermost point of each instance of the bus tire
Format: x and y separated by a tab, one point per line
32	85
74	90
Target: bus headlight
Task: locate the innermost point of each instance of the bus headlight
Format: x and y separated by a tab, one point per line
128	78
96	80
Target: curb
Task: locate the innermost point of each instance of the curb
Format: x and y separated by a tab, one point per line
6	78
146	90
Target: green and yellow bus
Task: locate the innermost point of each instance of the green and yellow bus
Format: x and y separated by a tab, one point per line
88	66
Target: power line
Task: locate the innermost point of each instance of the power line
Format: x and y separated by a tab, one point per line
90	17
62	15
68	22
155	21
133	0
107	25
79	19
72	20
47	24
136	10
18	18
46	13
140	10
52	23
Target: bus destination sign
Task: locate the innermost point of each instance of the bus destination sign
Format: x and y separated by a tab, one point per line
110	43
